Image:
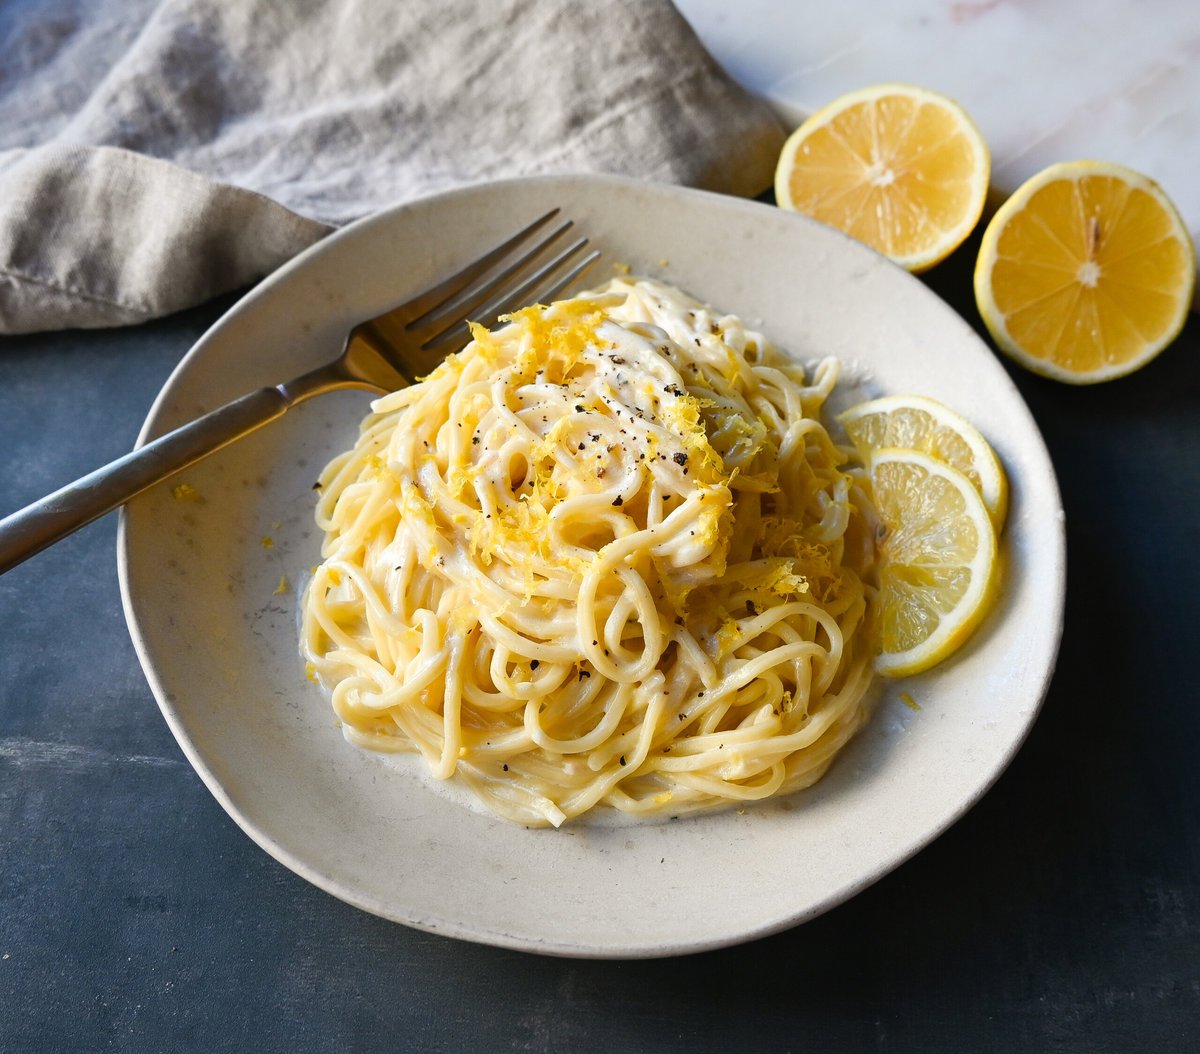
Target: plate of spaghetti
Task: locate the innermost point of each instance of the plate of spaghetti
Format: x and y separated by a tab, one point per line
569	646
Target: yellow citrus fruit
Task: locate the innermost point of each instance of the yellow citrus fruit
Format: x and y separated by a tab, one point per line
937	571
900	168
915	422
1086	273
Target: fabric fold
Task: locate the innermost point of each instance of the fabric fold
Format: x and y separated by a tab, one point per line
146	167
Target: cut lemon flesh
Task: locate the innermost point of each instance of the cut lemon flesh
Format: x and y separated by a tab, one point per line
900	168
915	422
937	560
1086	273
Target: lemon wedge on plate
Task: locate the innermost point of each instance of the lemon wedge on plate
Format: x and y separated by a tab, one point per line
937	571
900	168
1086	273
915	422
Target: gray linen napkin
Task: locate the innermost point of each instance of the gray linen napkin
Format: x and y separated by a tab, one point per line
155	153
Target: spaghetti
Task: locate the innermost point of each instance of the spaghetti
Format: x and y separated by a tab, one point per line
607	555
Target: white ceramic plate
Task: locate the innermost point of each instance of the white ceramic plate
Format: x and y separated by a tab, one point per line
219	643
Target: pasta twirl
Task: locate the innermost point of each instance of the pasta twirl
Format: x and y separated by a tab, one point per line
608	556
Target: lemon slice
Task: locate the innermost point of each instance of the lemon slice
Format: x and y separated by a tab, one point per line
900	168
1086	273
937	567
915	422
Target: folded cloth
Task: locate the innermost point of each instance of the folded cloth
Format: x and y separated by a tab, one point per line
155	153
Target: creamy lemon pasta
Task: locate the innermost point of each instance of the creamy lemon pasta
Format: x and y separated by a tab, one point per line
605	556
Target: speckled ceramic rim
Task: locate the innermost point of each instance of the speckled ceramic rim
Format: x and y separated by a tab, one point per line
811	289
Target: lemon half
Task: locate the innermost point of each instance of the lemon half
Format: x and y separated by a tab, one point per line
1086	273
900	168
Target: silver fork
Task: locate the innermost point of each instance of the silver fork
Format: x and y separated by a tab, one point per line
380	355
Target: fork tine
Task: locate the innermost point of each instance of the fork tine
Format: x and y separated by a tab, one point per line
519	294
459	281
456	333
551	291
464	303
530	293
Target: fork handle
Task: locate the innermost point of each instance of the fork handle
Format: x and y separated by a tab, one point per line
32	529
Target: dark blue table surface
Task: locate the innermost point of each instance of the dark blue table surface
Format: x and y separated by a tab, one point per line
1062	914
